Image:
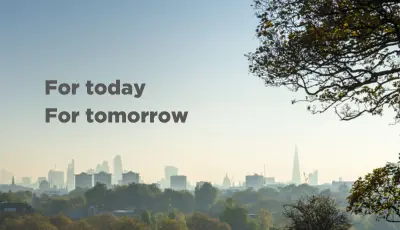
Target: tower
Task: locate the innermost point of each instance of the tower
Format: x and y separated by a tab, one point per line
117	169
296	178
71	176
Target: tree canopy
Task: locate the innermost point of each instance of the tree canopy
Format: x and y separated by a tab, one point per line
316	212
344	54
377	193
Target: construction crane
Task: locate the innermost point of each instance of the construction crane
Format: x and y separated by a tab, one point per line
305	177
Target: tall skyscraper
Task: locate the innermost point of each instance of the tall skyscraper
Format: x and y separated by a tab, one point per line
117	169
296	178
169	171
56	179
71	176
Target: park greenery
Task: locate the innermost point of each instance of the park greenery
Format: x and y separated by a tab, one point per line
207	208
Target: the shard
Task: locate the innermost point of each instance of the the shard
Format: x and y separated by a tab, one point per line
296	178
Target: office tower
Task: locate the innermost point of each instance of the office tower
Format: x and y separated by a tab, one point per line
255	182
130	177
84	180
117	169
170	171
103	167
103	178
71	176
178	182
296	179
313	178
5	176
56	179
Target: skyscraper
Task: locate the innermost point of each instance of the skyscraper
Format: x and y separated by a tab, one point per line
296	179
170	171
71	176
56	179
117	169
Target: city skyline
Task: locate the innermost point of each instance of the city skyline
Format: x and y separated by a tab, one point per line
118	170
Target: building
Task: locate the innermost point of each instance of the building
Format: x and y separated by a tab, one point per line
296	178
313	178
13	187
226	183
71	176
83	180
44	185
20	208
130	177
26	181
103	167
103	178
117	169
178	182
270	180
169	171
255	181
5	176
40	179
56	179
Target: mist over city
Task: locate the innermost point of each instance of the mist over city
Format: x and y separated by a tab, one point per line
206	115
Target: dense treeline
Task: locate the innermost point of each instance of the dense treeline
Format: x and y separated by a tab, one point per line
206	208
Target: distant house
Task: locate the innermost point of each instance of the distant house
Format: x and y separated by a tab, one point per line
20	208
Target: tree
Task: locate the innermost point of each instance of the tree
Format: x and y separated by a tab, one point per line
205	196
264	220
60	221
343	54
315	212
377	193
97	195
171	224
236	216
200	221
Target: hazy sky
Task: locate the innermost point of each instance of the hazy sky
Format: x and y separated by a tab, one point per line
190	54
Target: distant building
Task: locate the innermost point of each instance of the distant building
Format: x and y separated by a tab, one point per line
83	180
20	208
26	181
13	187
255	181
40	179
337	184
296	178
226	183
270	180
103	167
44	185
103	178
117	169
130	177
178	182
71	176
170	171
56	179
5	176
313	178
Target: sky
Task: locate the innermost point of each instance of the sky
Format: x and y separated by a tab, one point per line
190	55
